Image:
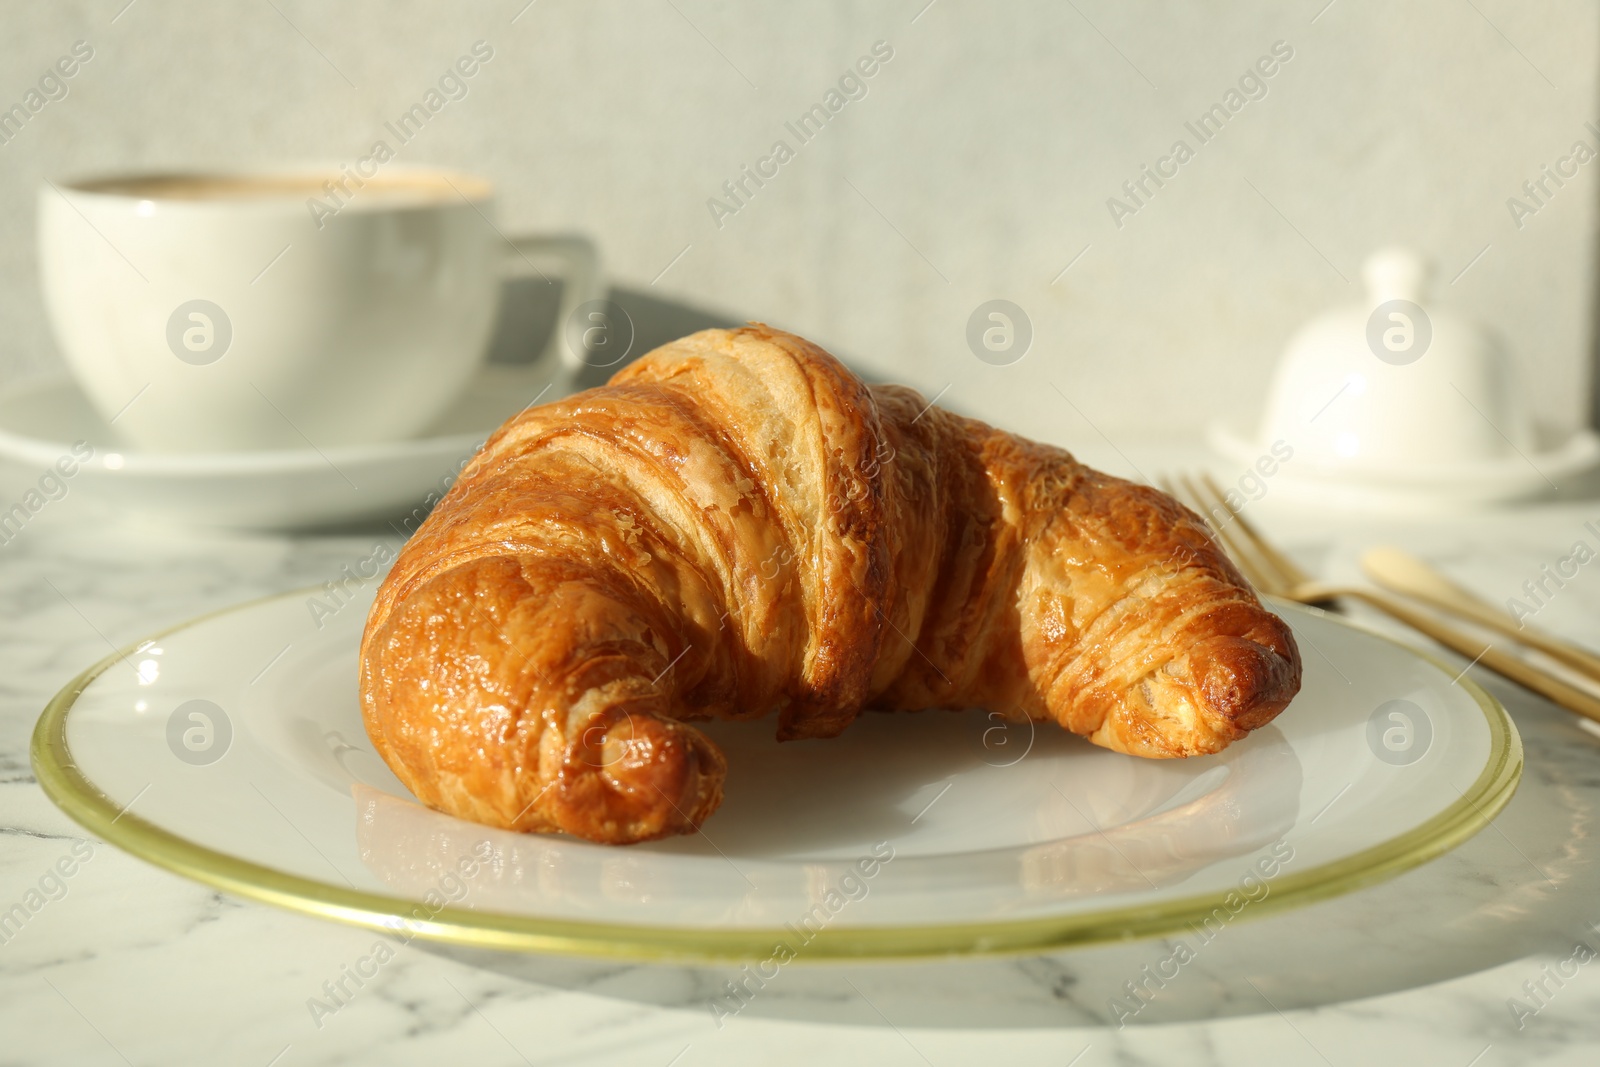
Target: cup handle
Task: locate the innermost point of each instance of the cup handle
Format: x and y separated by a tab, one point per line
580	263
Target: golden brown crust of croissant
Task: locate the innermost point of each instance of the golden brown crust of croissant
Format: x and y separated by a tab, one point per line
736	525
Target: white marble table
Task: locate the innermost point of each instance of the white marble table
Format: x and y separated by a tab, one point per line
135	965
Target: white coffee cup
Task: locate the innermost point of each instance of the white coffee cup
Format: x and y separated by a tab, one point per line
233	312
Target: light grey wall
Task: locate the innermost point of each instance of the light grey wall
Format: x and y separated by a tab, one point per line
978	165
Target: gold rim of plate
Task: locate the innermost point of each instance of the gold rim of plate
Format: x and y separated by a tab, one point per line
67	786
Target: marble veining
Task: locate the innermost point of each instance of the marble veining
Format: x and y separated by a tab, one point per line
134	965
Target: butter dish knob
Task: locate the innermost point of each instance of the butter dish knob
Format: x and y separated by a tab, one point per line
1396	274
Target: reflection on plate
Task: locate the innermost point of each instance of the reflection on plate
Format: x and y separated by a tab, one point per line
231	750
1193	822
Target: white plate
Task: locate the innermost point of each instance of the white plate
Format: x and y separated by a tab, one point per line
912	834
279	489
1421	490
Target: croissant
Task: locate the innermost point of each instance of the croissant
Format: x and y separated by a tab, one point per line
737	525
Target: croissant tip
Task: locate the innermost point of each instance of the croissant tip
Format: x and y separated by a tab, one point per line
1244	684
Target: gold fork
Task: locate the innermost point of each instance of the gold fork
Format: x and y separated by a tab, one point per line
1272	572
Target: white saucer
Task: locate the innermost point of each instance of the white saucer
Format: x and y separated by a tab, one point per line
279	489
1420	489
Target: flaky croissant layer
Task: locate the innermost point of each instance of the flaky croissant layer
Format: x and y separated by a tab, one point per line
737	526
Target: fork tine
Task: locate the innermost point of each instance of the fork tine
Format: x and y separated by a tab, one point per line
1256	571
1255	565
1174	487
1181	490
1165	484
1280	560
1171	487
